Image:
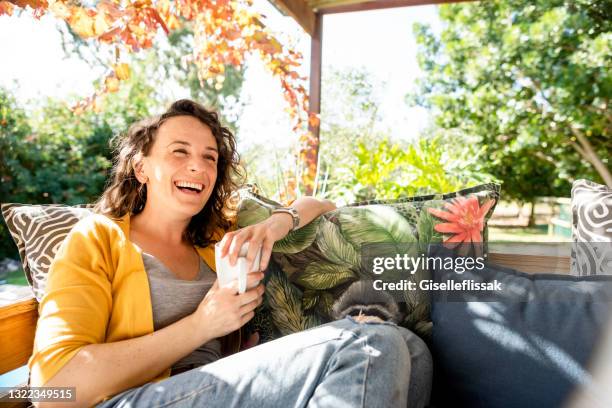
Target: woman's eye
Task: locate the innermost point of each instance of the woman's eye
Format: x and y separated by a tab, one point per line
211	158
180	152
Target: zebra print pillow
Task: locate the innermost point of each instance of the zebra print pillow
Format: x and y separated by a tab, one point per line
38	231
591	229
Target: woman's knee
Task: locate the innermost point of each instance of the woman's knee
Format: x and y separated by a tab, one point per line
401	342
384	336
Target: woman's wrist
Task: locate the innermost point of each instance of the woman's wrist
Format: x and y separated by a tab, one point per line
284	221
196	326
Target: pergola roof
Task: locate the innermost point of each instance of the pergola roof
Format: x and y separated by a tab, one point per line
304	12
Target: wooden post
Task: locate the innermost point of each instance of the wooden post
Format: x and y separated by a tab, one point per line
316	57
311	159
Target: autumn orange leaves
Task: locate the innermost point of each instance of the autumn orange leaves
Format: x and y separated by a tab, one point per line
225	31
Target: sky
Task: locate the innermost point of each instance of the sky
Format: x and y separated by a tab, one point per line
379	41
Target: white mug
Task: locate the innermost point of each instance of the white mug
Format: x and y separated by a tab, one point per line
226	273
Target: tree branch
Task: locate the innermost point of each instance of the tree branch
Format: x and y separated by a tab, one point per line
591	156
583	147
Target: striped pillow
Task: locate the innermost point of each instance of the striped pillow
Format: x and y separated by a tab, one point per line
591	228
38	231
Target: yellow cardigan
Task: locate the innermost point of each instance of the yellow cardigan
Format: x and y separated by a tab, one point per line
97	292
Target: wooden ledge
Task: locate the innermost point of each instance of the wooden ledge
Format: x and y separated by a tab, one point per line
17	329
533	257
532	263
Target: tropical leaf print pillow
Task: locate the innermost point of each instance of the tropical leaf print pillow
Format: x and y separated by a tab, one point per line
313	265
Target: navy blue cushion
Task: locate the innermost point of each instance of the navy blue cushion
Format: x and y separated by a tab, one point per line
526	346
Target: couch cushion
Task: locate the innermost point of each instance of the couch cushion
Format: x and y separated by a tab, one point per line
38	231
526	345
317	262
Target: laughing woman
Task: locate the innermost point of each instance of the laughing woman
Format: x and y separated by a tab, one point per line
133	314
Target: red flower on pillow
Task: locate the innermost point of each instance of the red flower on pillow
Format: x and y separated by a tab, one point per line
465	219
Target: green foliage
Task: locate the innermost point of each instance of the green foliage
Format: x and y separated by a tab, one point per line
531	81
337	249
55	156
324	276
13	126
283	302
358	162
298	240
393	170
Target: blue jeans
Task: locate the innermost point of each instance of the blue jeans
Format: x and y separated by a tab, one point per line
339	364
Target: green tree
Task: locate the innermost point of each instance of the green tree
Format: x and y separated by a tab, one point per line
359	161
530	81
50	155
349	114
14	127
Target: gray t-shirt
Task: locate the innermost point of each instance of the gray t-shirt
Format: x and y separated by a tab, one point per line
173	298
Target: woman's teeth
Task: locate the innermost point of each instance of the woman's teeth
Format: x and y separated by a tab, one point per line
190	186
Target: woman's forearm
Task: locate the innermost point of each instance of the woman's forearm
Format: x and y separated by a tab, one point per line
99	370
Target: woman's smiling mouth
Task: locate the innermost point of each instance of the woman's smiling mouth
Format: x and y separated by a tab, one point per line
188	187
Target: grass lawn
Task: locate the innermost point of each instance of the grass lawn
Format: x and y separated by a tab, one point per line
16	278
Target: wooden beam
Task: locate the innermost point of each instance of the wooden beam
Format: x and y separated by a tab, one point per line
345	6
17	329
300	11
314	92
316	63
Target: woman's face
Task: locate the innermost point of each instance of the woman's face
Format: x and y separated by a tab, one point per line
181	167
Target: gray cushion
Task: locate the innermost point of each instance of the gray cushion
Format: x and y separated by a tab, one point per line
525	346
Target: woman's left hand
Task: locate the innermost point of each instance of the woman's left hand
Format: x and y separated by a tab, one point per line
263	234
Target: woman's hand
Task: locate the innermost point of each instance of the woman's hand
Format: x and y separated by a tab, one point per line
261	235
223	310
264	234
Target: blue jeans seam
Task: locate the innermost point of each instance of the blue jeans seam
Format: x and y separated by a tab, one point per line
328	362
191	394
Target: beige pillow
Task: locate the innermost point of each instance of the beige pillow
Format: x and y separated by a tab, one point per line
38	231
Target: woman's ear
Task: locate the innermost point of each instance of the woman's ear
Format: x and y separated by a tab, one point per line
139	169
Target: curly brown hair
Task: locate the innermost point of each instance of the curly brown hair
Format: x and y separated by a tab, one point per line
124	194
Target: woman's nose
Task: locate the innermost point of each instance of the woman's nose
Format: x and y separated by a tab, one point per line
195	166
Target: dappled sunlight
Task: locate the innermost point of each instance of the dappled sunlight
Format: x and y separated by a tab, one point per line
485	310
536	347
506	337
